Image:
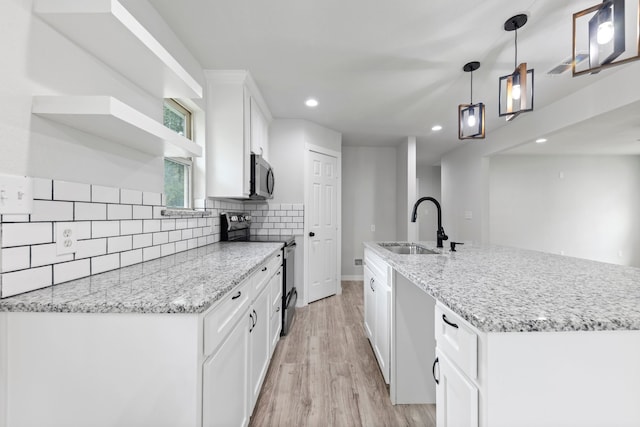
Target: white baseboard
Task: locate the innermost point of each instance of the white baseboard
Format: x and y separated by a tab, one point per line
353	277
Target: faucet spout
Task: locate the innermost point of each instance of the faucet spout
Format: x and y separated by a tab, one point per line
440	234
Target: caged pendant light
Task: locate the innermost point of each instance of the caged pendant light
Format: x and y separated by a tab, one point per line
471	116
601	30
515	91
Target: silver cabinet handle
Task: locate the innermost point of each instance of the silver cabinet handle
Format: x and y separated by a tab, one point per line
371	284
236	296
453	325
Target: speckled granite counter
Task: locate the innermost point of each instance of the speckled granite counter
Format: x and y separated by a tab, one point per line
187	282
500	289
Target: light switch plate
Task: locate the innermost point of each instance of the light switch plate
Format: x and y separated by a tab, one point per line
16	195
66	240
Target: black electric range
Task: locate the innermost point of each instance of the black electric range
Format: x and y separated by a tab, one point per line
236	227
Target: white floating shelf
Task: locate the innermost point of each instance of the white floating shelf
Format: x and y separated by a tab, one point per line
114	120
108	31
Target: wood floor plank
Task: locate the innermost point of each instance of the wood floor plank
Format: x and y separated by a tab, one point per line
324	373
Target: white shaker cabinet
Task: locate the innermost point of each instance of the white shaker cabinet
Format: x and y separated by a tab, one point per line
456	396
225	381
236	115
276	308
260	343
377	310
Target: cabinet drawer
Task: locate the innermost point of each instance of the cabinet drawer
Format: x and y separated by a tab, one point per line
378	267
457	340
219	321
262	277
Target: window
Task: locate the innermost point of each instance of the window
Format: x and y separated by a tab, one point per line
177	171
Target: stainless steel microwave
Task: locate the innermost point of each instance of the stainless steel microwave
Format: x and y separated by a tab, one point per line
262	179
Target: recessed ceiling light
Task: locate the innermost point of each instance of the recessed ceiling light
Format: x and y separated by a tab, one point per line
541	140
311	102
436	128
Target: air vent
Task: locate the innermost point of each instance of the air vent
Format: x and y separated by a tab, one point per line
357	261
566	64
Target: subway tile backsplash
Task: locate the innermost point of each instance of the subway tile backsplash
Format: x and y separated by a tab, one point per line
114	228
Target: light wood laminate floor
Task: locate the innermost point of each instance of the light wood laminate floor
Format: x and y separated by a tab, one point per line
324	373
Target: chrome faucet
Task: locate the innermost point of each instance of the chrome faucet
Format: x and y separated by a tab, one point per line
440	233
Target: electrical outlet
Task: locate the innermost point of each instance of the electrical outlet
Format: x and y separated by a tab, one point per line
66	240
357	261
373	227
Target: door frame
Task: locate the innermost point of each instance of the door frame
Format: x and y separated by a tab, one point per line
307	199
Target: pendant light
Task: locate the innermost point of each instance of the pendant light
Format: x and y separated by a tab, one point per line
600	30
471	116
515	90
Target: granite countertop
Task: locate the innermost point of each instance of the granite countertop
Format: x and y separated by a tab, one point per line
187	282
501	289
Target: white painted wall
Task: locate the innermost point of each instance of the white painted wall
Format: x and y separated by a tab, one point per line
465	191
287	139
582	206
368	198
37	60
428	184
406	189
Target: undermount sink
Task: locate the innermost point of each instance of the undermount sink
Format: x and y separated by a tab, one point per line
407	249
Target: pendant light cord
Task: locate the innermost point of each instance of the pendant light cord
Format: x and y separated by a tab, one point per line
515	65
471	87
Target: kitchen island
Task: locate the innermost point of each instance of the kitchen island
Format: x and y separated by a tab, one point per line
514	337
183	340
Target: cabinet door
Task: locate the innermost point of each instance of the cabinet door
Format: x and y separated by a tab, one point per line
369	303
456	396
225	380
260	343
382	327
259	130
276	309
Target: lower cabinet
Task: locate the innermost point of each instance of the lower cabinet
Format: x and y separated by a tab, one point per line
369	303
259	343
225	380
377	310
276	308
233	375
456	396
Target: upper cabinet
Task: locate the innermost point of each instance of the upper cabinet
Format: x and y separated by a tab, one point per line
237	125
108	31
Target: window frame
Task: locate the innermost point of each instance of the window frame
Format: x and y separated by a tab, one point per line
184	161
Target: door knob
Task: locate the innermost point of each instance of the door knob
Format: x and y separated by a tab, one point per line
311	234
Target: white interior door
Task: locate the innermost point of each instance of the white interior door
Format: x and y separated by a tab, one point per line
322	226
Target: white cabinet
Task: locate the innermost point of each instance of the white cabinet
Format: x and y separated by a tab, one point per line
276	308
225	380
455	370
377	310
232	123
381	345
259	343
369	303
456	396
259	130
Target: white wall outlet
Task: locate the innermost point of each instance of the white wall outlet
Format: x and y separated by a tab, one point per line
66	240
16	194
373	227
468	215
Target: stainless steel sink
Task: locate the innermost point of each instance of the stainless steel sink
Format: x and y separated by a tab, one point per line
407	249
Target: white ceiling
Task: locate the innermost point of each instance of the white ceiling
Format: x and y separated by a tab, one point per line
381	70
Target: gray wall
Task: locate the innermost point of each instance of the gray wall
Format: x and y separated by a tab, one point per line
582	206
428	185
368	198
